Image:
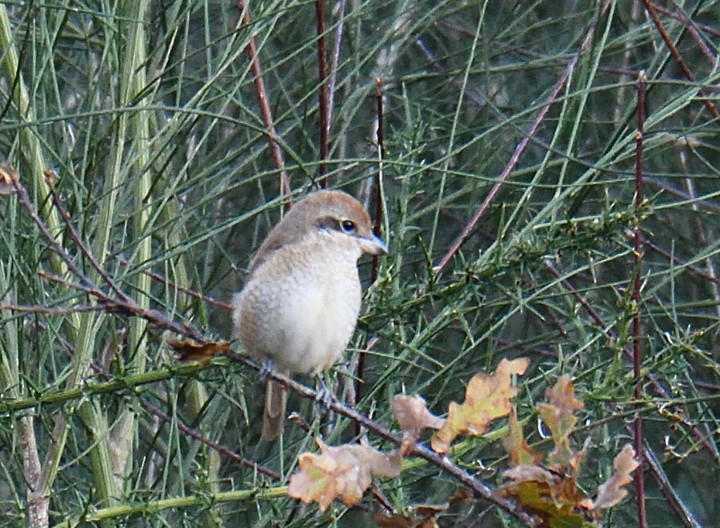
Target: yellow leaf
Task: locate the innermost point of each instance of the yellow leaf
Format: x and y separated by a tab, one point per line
343	472
487	397
612	491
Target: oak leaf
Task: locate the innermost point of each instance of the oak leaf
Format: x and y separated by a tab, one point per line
412	415
193	351
343	472
611	492
559	415
516	446
487	397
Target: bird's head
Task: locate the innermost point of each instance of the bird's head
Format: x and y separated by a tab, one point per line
334	214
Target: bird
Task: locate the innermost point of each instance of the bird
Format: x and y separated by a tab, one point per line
299	306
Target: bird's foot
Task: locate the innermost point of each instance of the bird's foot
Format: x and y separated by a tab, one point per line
267	365
324	397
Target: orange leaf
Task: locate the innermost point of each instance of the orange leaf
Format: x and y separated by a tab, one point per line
559	416
191	351
516	446
612	491
8	177
343	472
413	416
552	496
487	397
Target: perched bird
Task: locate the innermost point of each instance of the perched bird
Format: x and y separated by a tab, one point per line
301	302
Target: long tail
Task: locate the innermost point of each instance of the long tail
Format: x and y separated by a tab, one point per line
274	413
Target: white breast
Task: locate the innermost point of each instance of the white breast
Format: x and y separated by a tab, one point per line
301	311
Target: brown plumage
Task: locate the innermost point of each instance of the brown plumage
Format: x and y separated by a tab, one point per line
300	304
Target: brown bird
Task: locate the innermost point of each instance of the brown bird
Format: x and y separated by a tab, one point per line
301	302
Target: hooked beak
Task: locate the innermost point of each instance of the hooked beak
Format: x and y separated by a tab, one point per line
373	245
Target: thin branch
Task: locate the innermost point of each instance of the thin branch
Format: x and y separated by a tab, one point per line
679	60
54	311
266	112
335	60
379	213
637	302
223	450
323	99
50	177
693	29
441	462
668	490
187	291
471	226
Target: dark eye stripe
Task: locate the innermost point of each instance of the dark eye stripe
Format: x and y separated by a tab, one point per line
335	224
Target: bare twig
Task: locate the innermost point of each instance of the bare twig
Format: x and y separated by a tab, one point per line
323	99
637	302
75	237
679	60
335	60
441	462
471	226
179	287
275	150
223	450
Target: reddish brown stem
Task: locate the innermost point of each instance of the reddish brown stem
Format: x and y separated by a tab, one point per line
637	301
471	226
274	146
360	373
219	448
323	93
678	58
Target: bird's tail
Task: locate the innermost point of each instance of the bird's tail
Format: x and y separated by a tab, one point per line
274	413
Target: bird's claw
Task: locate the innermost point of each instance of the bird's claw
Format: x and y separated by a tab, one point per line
267	365
324	397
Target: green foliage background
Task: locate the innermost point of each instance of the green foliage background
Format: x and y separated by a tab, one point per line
148	113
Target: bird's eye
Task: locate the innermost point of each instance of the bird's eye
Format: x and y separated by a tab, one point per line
348	226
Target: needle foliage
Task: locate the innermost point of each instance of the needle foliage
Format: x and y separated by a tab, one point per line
511	126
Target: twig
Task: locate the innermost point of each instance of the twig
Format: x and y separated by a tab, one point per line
187	291
55	311
322	93
275	150
335	61
130	307
666	488
471	226
379	213
681	18
550	266
637	301
75	237
223	450
25	201
692	28
678	58
418	450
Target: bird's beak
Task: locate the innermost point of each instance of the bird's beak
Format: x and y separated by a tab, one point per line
373	245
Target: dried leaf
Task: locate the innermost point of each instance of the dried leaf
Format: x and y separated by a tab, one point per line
343	472
191	351
559	416
516	446
487	397
612	492
413	416
8	177
549	495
